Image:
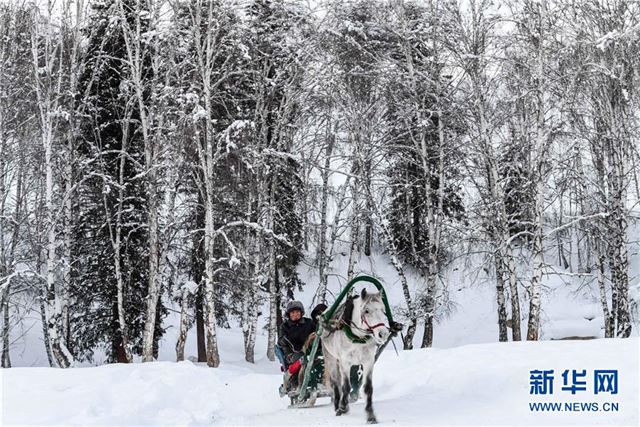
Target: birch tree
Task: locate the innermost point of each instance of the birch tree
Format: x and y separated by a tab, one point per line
605	47
48	53
476	49
141	41
535	31
16	107
424	187
210	39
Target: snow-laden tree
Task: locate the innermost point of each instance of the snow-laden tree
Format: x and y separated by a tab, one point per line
424	145
602	64
276	48
53	50
111	248
16	109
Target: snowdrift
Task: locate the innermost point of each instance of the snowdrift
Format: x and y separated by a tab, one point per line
480	384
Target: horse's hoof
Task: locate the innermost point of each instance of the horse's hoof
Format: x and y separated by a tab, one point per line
341	411
372	420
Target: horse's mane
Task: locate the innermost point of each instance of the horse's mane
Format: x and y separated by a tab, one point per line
347	312
344	313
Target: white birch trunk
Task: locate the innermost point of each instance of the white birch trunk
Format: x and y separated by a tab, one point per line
320	295
353	232
47	98
68	236
273	289
213	359
184	322
136	55
516	333
250	320
602	287
5	361
500	299
117	248
533	327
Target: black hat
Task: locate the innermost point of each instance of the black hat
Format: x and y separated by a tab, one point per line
295	305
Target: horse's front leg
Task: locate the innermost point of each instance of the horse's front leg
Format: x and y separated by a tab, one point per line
335	383
333	368
368	389
346	388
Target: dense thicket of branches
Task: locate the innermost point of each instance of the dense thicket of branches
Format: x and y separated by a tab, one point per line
200	151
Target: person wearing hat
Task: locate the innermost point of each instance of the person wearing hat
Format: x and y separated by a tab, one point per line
294	332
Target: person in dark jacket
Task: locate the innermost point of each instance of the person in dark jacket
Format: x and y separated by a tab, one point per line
293	333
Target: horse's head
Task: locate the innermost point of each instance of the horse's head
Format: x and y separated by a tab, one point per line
369	315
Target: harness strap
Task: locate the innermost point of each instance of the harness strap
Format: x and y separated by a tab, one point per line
340	325
353	337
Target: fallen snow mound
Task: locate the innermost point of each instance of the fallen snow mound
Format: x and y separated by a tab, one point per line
482	384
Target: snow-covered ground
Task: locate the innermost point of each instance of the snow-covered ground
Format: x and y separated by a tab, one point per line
480	384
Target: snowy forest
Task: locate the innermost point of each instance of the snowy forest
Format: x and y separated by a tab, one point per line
193	157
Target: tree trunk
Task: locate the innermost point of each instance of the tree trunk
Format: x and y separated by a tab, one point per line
197	272
320	295
118	353
52	309
411	314
153	295
502	312
68	238
200	335
368	220
213	359
618	228
45	328
353	232
137	56
48	89
4	305
272	332
252	318
434	224
73	19
539	165
513	290
5	289
121	343
335	226
184	324
250	303
533	327
608	318
427	336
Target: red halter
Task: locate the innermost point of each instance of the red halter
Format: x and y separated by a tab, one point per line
371	328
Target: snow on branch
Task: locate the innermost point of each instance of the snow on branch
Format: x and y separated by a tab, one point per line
255	226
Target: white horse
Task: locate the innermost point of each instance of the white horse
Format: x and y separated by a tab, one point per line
365	316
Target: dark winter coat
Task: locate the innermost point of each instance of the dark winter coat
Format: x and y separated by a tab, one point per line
294	334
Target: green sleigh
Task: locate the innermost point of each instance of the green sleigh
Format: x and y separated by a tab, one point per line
311	387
